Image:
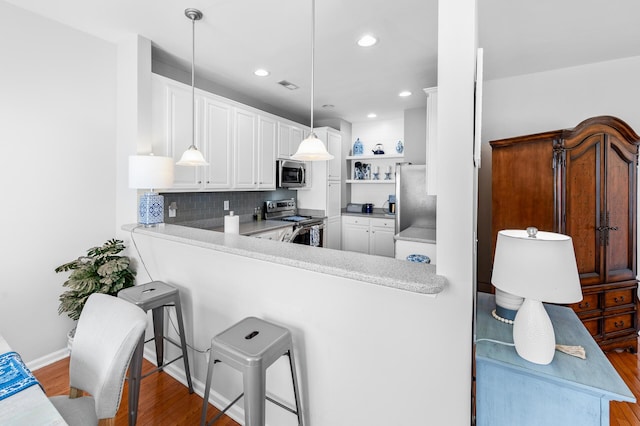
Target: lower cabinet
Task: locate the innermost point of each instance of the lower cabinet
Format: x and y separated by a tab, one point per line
368	235
333	233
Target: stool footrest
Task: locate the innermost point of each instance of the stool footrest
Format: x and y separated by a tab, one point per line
221	413
160	368
281	405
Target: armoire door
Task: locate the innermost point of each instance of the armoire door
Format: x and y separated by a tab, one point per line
598	205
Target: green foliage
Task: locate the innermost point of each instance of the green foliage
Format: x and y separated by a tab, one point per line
100	271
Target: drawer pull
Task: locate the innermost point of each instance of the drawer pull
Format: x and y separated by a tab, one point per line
584	305
618	324
618	299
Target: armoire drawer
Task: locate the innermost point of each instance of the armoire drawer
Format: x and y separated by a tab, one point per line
589	302
593	326
615	298
619	323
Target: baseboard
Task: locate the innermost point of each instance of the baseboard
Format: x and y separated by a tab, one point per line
48	359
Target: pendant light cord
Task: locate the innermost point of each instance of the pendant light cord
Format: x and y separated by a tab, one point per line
193	80
313	44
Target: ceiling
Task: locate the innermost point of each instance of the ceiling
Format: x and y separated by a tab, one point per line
237	36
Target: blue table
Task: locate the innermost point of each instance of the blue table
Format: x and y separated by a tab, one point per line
569	391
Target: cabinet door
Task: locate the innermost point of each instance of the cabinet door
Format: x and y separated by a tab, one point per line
333	199
245	155
172	127
599	207
289	138
267	153
217	138
381	240
334	146
333	233
296	136
355	235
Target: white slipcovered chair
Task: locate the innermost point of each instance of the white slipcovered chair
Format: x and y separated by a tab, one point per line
107	334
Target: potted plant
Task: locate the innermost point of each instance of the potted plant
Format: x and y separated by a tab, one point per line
102	270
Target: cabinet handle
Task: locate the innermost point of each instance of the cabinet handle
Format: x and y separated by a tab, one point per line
618	324
584	305
199	182
618	299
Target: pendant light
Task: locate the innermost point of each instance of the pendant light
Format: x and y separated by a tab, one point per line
312	148
193	157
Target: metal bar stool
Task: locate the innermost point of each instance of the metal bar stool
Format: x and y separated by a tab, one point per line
251	346
155	295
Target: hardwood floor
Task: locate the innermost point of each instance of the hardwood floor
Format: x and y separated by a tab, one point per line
163	400
628	366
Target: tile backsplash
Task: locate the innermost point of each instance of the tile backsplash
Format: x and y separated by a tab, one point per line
199	206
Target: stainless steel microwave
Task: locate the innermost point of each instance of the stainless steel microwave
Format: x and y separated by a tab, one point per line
291	174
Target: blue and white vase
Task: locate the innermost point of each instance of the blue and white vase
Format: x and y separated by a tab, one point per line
399	147
358	148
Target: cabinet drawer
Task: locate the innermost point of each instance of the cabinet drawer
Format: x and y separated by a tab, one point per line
619	323
589	302
355	220
384	223
592	326
615	298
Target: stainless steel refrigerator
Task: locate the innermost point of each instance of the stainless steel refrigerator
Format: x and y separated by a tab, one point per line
413	206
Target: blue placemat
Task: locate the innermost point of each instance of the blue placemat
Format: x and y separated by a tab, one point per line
14	375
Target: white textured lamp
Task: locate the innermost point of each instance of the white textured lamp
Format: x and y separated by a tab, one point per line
541	267
150	172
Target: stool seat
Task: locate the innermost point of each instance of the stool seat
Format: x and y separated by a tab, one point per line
154	296
150	295
251	346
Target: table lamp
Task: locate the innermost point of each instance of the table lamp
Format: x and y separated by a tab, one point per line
150	172
540	267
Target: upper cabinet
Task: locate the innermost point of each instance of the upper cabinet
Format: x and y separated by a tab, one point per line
240	143
289	138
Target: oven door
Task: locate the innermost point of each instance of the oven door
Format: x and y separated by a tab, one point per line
291	174
305	235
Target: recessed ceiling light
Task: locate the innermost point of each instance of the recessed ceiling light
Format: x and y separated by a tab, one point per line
372	115
328	106
261	72
367	40
404	93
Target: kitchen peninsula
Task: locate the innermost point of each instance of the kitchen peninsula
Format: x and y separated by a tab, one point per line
349	313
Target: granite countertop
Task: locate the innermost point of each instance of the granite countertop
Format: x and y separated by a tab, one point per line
417	234
376	270
257	226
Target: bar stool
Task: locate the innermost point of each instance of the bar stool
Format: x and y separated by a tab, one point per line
251	346
155	295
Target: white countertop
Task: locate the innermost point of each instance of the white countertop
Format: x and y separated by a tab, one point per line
377	270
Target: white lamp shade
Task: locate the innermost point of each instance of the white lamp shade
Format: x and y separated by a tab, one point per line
192	157
150	171
312	149
541	268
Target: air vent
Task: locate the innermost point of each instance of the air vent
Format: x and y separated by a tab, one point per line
287	84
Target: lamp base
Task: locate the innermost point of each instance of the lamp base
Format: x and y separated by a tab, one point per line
151	209
533	333
507	304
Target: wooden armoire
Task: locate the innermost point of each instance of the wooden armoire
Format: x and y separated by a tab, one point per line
581	182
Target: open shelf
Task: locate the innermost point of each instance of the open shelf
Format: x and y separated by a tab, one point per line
370	181
374	157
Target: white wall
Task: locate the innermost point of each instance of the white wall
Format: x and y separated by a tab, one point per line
370	133
57	127
546	101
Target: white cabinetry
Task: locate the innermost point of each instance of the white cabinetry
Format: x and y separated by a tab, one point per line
289	138
368	235
255	156
238	142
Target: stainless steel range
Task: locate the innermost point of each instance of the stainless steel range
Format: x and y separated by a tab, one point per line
307	230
